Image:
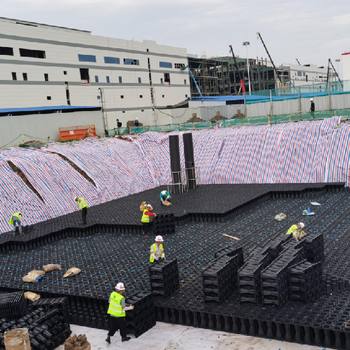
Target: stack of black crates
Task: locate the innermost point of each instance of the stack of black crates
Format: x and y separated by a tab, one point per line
164	277
164	223
314	247
275	278
220	277
47	329
306	281
143	317
249	279
12	305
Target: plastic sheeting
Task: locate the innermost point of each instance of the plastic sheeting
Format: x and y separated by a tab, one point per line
315	151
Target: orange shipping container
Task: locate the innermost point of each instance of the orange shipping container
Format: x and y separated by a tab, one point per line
77	132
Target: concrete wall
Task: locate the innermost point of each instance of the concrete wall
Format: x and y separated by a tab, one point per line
41	126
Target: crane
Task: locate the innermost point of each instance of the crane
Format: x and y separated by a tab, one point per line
330	63
194	80
298	62
274	67
238	72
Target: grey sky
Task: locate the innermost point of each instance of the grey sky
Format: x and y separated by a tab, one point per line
309	30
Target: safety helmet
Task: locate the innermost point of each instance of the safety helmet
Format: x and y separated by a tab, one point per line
20	213
311	99
301	224
75	198
149	205
159	239
120	286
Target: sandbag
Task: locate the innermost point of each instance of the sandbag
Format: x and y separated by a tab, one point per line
37	272
51	267
280	217
72	271
31	277
77	343
167	203
143	206
31	296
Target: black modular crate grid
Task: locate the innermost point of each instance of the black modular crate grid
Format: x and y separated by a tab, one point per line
197	242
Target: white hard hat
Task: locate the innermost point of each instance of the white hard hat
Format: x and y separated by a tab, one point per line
311	99
75	198
159	239
301	224
120	286
149	205
137	118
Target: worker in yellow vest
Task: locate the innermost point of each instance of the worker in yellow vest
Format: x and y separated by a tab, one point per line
16	219
157	250
295	230
116	310
83	207
146	222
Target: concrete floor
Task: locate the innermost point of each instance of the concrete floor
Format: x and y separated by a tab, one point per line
166	336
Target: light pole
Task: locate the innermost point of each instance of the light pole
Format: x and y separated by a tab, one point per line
246	44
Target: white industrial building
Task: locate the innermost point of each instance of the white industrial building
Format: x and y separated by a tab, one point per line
346	69
306	74
44	65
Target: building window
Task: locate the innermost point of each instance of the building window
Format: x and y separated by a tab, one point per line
165	65
107	79
186	95
120	80
121	96
6	51
147	50
112	60
131	62
98	97
64	72
161	80
48	98
304	74
84	76
307	78
96	78
142	110
139	80
46	76
87	58
167	78
25	76
141	96
32	53
14	76
123	111
179	65
299	73
163	96
185	81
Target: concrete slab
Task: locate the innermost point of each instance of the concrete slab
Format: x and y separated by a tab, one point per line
165	336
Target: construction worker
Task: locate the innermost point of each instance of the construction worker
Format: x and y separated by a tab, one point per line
116	310
146	222
16	219
157	250
295	230
165	196
83	207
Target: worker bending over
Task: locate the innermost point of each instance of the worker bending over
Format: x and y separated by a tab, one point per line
295	230
83	207
116	310
146	222
165	196
16	219
157	250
